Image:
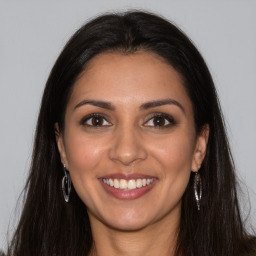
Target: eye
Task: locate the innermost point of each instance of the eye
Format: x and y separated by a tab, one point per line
95	120
160	121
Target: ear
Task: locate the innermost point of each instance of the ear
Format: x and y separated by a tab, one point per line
200	148
60	144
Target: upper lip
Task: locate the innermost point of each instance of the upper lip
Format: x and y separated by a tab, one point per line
130	176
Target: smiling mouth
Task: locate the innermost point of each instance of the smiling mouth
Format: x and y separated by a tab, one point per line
127	185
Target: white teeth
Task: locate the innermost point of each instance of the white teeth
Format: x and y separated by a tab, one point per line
123	184
149	181
131	184
139	183
111	183
128	184
116	183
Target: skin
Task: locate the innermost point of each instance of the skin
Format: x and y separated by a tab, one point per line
129	140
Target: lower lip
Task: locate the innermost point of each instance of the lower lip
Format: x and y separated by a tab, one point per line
127	194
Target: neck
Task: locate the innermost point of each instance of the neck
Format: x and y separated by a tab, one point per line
156	239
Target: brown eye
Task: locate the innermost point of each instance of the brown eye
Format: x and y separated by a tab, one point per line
160	121
95	121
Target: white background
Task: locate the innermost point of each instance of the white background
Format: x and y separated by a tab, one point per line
32	34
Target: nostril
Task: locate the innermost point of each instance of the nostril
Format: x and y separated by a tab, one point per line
127	150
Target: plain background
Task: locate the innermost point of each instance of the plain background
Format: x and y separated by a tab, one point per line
32	34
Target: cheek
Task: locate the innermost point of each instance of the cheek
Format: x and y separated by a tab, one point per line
175	154
83	157
175	157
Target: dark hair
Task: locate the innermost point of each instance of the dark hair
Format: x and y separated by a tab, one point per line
49	226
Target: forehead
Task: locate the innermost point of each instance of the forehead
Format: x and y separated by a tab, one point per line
137	77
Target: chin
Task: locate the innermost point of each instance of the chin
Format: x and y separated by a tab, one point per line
128	221
132	225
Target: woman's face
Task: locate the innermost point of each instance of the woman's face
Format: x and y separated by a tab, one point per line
129	141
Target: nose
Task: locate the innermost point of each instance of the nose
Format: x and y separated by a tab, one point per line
127	147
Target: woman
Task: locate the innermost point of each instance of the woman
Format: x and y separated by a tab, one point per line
131	155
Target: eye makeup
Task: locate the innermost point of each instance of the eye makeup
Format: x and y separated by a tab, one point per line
95	120
156	120
160	121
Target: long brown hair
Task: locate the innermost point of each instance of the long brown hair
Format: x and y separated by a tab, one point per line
49	226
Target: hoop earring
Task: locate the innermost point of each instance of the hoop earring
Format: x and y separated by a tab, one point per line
198	189
66	184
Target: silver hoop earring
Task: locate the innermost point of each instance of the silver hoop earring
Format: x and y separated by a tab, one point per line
66	184
198	189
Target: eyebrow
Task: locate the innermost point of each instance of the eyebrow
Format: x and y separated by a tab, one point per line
144	106
158	103
97	103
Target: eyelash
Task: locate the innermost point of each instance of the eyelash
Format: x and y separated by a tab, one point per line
95	115
165	117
